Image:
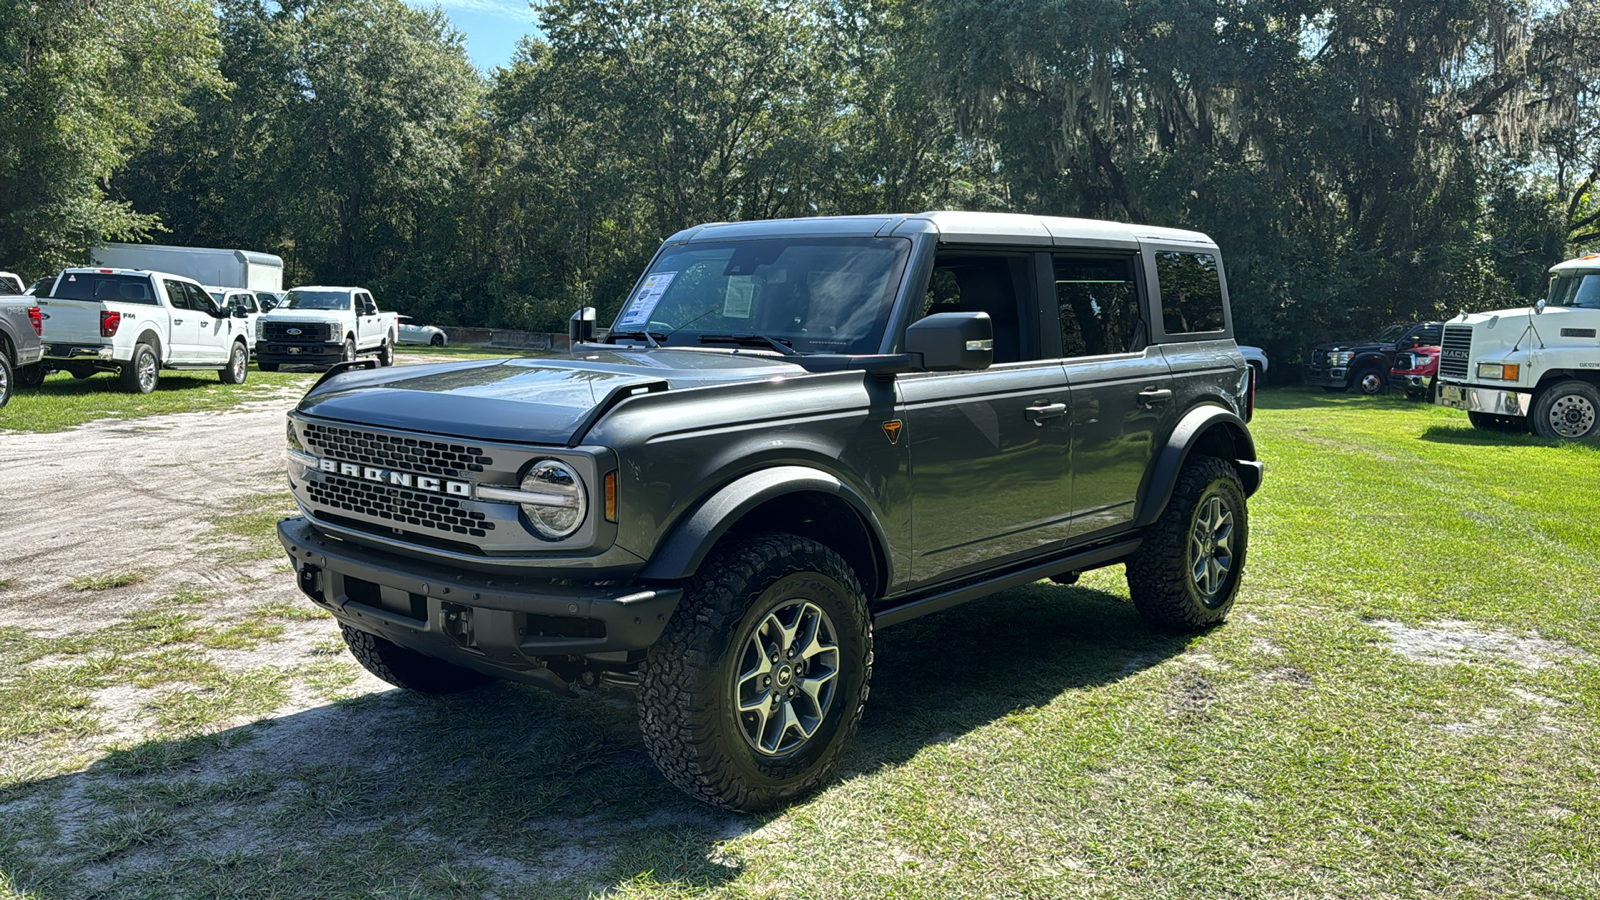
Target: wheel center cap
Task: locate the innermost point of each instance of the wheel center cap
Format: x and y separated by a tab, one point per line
784	675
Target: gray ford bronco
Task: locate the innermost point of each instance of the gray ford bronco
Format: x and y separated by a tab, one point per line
795	432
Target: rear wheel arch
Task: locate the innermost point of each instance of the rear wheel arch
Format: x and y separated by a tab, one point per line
797	500
1203	431
7	349
149	336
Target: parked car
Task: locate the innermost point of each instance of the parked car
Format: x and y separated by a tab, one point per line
137	323
1365	364
1414	372
412	333
1257	360
232	299
717	503
321	326
21	323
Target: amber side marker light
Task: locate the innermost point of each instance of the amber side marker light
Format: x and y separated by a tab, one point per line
611	496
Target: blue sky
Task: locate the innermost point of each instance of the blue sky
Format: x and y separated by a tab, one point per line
492	27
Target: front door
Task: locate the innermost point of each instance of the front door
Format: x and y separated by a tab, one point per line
187	322
988	449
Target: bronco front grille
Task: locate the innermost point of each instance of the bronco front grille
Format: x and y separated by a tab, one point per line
393	452
398	505
308	332
1455	352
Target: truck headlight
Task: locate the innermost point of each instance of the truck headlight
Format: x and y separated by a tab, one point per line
553	498
1340	359
261	329
1499	371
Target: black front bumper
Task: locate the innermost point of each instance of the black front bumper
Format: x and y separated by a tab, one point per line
492	624
287	354
1321	376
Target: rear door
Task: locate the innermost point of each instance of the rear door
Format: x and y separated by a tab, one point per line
1122	397
989	451
186	322
215	330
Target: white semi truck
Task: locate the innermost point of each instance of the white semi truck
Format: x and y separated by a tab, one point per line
1531	367
222	268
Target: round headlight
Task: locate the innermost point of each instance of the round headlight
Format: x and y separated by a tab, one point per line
561	508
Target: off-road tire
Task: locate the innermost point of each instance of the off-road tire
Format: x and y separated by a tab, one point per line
8	380
1371	381
1161	576
1568	410
238	367
386	354
436	341
407	668
266	366
142	372
1492	422
688	682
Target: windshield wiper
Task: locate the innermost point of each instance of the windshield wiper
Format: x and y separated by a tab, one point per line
750	339
649	337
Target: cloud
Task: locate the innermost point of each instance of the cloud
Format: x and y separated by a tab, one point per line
505	9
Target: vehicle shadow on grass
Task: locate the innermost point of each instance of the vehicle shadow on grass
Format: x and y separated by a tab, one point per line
63	385
509	791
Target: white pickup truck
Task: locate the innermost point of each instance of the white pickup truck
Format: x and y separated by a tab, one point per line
137	323
320	326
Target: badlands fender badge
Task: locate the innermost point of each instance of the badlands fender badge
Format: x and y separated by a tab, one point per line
891	430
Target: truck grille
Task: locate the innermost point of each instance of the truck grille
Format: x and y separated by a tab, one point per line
398	505
1455	352
389	452
1404	362
310	332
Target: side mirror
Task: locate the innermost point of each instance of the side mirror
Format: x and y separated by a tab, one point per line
580	327
952	341
239	313
1538	308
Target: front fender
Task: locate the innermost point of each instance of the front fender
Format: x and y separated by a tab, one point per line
1212	430
681	554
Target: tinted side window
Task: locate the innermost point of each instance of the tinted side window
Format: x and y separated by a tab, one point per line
1098	302
984	282
1429	335
199	300
177	294
1191	292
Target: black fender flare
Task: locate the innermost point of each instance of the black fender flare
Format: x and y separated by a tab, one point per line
681	554
1222	433
1370	359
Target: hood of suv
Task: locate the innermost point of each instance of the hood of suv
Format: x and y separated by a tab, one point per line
538	401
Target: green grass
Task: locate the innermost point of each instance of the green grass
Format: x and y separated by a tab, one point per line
64	402
107	581
1041	743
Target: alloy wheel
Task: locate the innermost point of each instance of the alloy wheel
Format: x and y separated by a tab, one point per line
786	678
147	372
1211	548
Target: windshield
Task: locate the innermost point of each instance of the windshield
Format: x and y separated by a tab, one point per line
298	299
1391	334
816	295
1581	289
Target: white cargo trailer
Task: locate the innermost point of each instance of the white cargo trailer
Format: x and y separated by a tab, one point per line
222	268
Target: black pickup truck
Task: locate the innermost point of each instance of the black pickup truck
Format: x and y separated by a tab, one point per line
796	433
1365	364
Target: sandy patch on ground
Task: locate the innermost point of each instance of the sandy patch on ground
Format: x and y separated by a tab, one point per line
1450	642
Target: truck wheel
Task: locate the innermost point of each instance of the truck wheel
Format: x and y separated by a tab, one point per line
759	680
266	366
1567	410
7	382
408	668
349	353
386	354
238	365
1372	382
1185	575
142	373
1492	422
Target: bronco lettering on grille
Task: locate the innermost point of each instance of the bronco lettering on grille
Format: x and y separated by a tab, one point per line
398	479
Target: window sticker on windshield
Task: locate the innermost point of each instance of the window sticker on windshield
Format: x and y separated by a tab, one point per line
736	302
644	303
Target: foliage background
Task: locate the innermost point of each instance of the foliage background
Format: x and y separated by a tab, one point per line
1359	163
